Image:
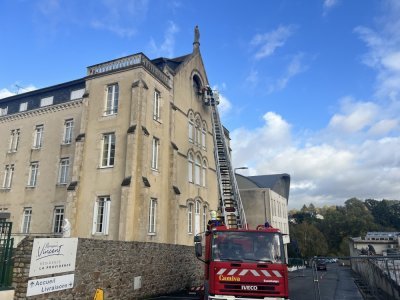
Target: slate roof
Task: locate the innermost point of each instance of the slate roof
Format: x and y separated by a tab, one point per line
279	183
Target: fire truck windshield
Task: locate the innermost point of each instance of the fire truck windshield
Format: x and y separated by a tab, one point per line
247	246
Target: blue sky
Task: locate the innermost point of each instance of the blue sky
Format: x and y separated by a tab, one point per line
308	87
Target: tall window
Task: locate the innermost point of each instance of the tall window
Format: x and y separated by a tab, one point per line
33	172
203	136
191	126
112	99
58	219
198	133
63	171
108	152
197	168
8	175
26	219
38	137
155	153
152	215
156	106
14	140
68	128
204	217
190	218
204	173
101	215
197	217
190	167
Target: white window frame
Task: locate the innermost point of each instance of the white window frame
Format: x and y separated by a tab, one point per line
112	99
101	215
68	131
33	174
63	170
3	111
190	167
203	138
197	170
155	152
26	220
8	176
58	219
157	106
197	217
190	218
108	150
204	173
23	106
152	216
204	217
77	94
191	126
14	140
38	137
46	101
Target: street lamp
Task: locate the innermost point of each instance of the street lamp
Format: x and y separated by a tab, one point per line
240	168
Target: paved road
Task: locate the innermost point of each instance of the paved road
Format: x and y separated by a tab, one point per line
336	283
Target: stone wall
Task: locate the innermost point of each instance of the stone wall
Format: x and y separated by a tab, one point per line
113	267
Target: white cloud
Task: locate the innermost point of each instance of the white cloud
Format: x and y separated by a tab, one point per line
167	47
294	68
267	43
354	116
4	92
324	170
330	3
121	16
383	53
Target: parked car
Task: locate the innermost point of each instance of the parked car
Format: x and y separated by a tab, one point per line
321	264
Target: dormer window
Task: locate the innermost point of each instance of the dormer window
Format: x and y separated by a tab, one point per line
46	101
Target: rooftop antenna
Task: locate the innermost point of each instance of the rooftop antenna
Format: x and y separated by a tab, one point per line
20	88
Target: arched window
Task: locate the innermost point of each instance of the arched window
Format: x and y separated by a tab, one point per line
190	167
203	136
198	132
204	173
190	218
204	217
197	217
197	168
196	85
191	128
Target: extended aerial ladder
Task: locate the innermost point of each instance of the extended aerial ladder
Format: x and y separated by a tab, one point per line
230	202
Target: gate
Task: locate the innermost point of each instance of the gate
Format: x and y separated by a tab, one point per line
6	261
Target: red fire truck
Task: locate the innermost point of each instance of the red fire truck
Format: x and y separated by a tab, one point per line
240	263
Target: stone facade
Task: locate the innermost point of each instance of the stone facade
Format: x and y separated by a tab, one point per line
140	162
113	266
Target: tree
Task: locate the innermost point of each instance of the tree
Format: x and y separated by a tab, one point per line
310	241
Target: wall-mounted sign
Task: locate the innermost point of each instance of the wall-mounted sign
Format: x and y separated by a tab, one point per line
53	255
50	284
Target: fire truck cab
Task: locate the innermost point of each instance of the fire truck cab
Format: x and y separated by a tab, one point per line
243	264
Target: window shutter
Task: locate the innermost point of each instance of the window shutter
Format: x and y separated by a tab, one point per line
107	215
95	209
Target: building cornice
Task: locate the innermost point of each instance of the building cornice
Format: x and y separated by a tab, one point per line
41	111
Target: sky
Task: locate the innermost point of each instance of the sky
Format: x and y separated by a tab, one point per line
310	88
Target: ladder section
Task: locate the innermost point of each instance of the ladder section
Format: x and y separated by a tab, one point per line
230	202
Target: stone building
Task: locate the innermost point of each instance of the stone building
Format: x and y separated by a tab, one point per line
125	153
265	198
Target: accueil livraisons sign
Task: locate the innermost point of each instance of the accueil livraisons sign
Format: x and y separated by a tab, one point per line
53	255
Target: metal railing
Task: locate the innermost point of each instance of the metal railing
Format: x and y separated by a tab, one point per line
6	261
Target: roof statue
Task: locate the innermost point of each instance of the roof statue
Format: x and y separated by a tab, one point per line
196	42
